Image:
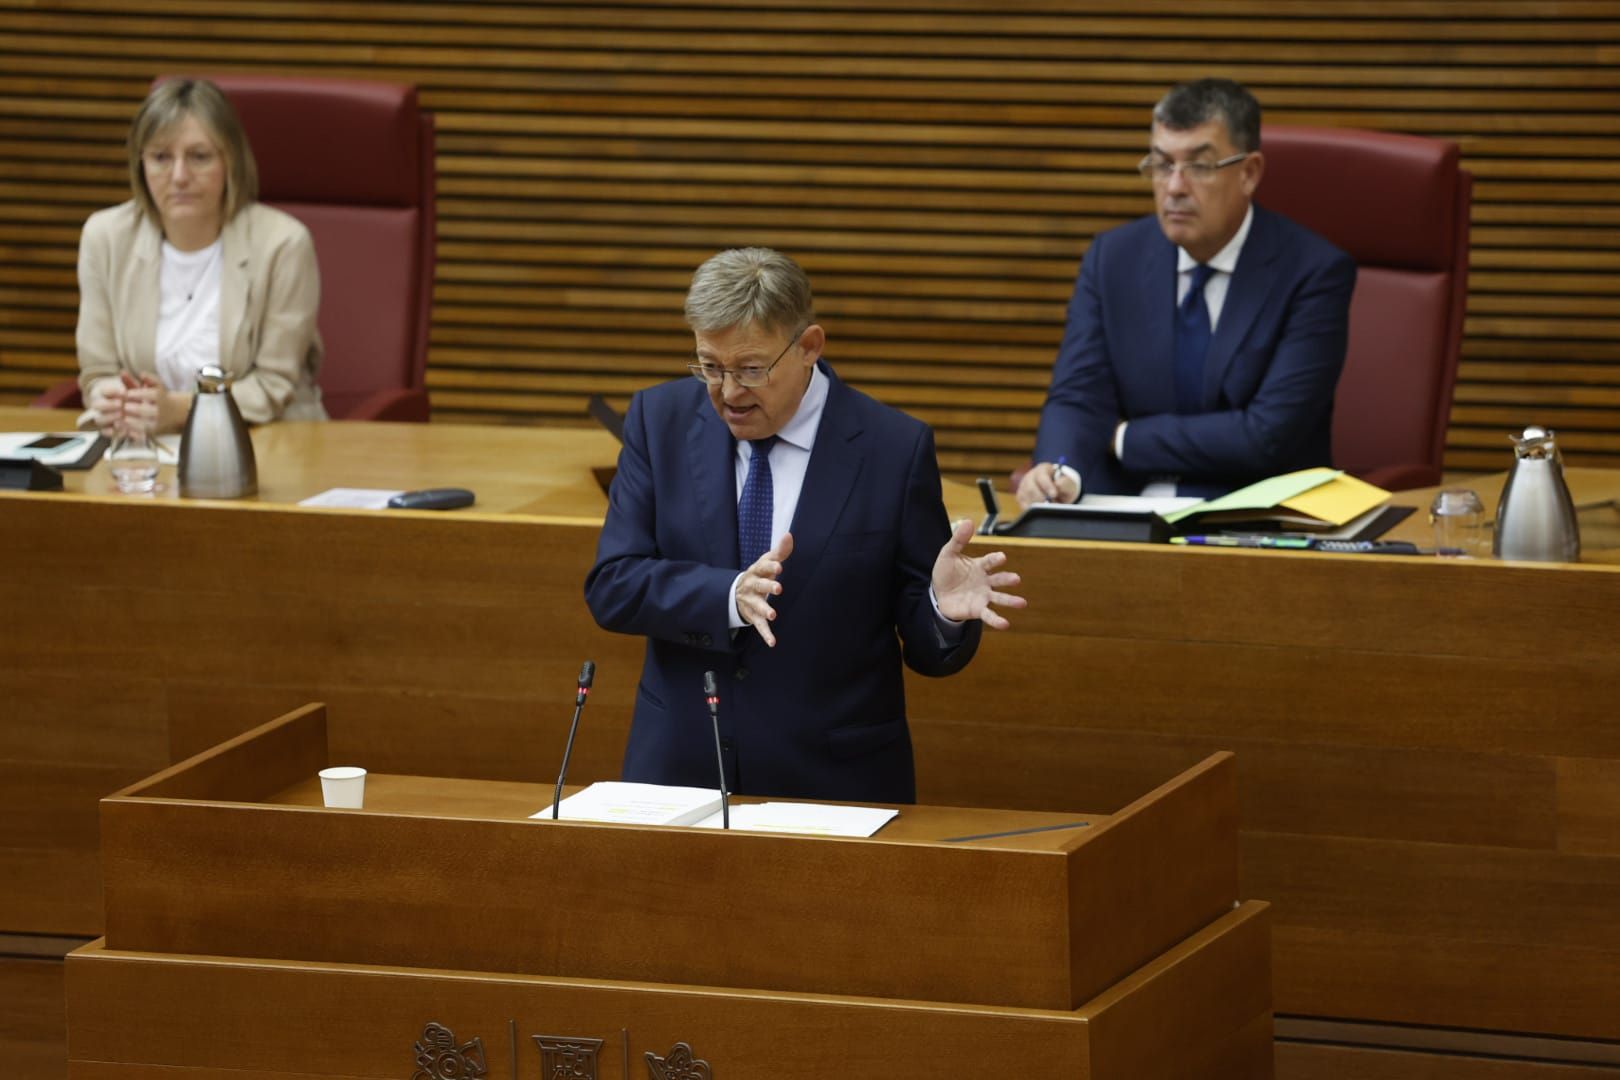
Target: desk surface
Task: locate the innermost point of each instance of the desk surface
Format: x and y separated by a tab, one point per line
512	470
505	800
555	472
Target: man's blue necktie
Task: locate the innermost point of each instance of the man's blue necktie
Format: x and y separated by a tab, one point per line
1192	342
756	504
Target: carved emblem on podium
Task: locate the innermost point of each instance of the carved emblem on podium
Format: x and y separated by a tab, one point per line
678	1064
439	1058
567	1059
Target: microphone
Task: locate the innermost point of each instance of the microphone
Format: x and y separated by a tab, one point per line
587	673
711	694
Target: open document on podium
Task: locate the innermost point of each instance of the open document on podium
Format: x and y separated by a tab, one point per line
657	804
812	819
637	804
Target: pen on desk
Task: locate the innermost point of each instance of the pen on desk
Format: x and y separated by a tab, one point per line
1293	542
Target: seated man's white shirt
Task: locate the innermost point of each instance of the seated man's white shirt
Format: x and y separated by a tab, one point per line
1224	264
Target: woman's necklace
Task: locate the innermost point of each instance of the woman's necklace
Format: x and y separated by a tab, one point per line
190	288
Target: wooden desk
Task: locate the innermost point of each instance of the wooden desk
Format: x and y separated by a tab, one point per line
1596	493
239	911
511	470
1428	748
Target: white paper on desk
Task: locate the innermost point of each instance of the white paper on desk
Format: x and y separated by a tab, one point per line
637	804
352	498
814	819
168	449
1131	504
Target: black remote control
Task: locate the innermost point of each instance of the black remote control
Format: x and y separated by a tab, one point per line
432	499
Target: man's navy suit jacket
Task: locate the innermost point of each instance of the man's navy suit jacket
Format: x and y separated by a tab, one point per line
821	715
1269	376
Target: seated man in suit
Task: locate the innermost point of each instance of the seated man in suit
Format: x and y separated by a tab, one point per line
1204	342
805	627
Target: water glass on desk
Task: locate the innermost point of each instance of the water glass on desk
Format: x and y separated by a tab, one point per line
1458	518
133	458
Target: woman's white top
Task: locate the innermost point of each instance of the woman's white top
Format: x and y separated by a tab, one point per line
188	314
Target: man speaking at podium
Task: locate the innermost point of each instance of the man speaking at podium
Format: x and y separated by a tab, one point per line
775	526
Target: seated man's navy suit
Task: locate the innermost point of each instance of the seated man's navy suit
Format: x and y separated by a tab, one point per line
1268	377
822	714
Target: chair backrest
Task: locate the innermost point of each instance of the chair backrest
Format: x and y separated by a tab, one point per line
1399	204
354	161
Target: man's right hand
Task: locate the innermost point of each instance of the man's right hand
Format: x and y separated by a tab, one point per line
1043	483
758	584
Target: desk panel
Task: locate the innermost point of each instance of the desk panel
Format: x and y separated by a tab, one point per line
1427	748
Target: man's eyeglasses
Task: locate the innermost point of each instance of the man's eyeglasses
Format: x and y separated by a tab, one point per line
1161	169
750	375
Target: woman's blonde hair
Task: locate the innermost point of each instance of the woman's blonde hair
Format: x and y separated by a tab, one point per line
171	102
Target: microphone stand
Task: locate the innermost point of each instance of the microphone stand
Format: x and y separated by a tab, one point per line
587	674
711	694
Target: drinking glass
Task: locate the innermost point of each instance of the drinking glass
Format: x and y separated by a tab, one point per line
1458	518
134	460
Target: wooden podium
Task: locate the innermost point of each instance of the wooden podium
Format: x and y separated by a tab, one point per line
439	933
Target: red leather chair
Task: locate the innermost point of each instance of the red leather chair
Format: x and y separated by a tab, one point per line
1399	204
354	161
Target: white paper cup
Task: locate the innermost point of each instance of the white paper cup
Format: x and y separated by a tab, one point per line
343	785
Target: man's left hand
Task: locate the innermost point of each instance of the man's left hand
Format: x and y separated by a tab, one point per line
965	587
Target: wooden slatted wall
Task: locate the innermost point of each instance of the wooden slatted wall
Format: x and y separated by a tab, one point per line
938	167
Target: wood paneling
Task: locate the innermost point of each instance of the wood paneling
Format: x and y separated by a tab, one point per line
33	1019
1425	747
1307	1061
215	872
938	168
917	914
145	1017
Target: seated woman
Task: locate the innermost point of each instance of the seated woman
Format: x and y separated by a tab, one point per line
194	271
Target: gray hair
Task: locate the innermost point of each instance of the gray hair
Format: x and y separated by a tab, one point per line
1190	104
749	285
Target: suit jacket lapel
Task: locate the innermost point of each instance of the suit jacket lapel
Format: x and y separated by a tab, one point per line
711	463
235	289
1155	360
140	287
835	467
1245	296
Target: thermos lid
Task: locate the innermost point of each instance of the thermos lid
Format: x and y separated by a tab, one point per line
1536	442
211	379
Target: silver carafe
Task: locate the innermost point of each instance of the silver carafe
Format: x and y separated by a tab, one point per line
216	455
1535	518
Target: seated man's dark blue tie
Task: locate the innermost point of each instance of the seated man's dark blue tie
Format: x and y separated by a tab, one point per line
756	504
1192	342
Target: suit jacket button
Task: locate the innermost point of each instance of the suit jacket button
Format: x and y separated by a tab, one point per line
740	674
705	640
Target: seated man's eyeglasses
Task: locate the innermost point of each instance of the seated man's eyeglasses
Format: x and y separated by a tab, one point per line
751	375
1161	169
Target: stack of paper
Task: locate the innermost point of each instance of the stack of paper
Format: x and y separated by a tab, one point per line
1311	499
637	804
